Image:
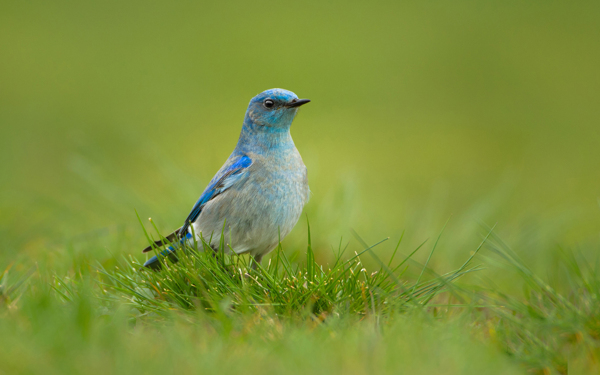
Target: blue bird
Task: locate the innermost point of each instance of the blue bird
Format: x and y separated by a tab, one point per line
257	196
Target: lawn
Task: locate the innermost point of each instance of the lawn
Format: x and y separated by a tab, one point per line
452	155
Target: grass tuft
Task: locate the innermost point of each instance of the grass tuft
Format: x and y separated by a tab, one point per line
221	283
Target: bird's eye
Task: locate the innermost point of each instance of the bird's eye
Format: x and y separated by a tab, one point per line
269	103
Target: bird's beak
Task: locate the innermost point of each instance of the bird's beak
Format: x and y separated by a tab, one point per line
298	102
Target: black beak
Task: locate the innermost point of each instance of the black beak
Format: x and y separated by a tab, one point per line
298	102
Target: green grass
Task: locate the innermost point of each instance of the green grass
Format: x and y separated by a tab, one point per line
207	281
215	312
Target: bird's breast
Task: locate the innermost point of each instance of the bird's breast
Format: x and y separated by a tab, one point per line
282	179
262	208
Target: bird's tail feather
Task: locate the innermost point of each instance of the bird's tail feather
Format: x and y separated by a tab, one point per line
154	262
171	238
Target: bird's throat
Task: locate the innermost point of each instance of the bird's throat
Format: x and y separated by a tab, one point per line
264	139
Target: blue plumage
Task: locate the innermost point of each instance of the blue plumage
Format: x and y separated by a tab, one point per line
256	198
216	186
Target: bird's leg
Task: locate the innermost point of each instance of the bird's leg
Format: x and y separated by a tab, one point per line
217	254
255	261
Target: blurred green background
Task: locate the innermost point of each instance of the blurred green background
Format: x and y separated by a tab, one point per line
421	112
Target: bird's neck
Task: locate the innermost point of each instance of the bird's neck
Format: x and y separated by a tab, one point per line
263	139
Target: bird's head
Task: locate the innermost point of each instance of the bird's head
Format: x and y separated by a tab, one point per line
274	110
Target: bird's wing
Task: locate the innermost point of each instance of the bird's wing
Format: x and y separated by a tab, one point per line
220	183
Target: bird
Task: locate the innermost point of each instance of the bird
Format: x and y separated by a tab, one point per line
257	196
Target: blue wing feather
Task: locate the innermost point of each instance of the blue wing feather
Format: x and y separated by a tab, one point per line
218	185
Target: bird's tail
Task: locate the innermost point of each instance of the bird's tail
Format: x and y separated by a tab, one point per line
154	262
171	238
